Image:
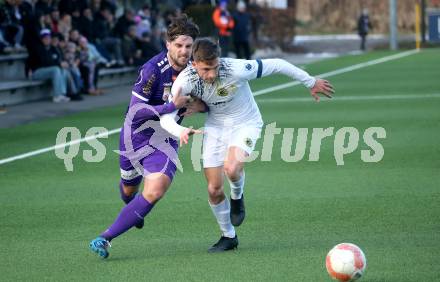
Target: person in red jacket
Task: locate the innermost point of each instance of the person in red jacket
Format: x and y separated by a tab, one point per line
224	22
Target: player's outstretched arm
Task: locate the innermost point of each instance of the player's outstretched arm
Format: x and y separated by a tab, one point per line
316	85
280	66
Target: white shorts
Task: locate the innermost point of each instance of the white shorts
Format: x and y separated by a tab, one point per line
217	141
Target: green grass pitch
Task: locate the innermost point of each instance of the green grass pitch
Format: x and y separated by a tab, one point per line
296	212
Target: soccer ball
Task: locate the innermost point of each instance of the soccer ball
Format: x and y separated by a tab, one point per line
345	262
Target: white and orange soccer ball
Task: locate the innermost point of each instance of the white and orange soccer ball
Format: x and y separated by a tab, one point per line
346	262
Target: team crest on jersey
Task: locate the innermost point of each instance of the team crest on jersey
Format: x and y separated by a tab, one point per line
222	92
248	67
147	88
248	142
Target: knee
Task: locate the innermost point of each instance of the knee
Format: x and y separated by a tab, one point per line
215	192
232	170
153	196
129	191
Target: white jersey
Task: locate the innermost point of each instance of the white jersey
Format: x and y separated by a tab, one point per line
229	98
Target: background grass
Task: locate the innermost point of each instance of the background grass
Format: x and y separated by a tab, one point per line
296	212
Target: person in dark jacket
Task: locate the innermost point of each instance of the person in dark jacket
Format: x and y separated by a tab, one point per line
47	65
241	31
224	23
364	26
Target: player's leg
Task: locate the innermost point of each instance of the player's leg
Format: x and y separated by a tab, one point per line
214	151
127	192
221	210
159	173
240	146
155	186
234	170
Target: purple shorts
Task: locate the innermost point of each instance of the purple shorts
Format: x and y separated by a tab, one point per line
156	162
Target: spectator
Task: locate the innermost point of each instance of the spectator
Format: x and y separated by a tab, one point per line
65	25
143	26
145	13
123	23
132	54
55	19
5	47
47	66
158	39
90	63
73	92
85	24
71	55
108	45
241	31
43	6
364	27
70	6
224	23
74	36
11	24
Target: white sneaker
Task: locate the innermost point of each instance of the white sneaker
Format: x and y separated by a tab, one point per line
60	99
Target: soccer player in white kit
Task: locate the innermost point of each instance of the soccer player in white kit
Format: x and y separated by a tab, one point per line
233	124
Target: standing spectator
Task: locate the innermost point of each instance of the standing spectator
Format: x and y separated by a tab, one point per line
224	22
47	66
241	31
364	27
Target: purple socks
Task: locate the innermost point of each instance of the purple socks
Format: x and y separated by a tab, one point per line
129	216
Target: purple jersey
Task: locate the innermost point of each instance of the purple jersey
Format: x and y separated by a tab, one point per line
149	100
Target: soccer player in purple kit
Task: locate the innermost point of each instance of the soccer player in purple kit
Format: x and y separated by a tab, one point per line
157	165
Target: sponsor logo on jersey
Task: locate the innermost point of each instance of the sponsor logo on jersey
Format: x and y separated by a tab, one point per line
147	88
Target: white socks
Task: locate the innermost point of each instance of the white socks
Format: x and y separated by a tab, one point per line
237	187
222	214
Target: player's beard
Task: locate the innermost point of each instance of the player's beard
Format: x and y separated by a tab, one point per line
179	61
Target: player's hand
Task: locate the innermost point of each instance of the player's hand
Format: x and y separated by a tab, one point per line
322	86
181	101
184	136
195	105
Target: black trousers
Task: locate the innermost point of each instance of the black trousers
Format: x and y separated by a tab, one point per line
242	49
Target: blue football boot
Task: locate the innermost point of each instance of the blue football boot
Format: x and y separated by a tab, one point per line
100	246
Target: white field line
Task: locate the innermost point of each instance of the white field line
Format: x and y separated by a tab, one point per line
257	93
352	98
59	146
339	71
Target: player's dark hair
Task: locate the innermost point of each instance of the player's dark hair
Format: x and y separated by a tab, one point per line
205	49
182	25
